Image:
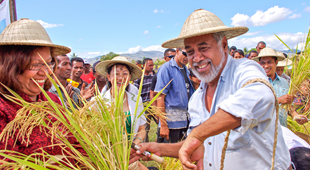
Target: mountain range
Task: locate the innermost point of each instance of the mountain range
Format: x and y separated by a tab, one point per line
151	54
135	56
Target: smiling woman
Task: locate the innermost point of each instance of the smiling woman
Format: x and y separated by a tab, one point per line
27	57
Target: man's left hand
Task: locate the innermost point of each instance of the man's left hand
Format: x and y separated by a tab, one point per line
192	150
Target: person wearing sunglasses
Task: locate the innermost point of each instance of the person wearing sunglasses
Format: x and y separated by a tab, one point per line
174	99
169	54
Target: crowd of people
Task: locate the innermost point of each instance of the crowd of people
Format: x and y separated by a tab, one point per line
208	91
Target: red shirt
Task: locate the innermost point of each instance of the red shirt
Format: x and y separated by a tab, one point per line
38	139
88	77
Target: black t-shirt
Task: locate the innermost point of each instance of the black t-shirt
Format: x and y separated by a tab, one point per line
154	81
187	84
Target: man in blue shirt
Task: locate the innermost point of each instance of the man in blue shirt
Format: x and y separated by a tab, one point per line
268	58
174	99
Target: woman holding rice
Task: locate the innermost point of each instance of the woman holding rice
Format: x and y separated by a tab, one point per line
27	56
120	71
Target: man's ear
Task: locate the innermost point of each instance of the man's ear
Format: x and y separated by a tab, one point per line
225	45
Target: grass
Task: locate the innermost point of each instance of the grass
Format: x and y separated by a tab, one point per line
152	138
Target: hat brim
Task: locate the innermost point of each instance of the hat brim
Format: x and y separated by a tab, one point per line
102	68
279	58
285	63
58	49
230	32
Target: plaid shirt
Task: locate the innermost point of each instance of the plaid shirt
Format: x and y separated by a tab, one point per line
146	86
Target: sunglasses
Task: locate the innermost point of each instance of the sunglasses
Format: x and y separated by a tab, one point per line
184	53
170	56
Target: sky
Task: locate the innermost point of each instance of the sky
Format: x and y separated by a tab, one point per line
97	27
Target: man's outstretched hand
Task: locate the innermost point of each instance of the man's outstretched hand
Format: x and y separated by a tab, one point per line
191	151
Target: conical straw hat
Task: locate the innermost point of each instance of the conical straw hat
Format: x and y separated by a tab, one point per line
202	22
268	52
102	67
286	62
29	32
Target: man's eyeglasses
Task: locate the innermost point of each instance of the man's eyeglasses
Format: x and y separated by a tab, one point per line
262	63
170	56
184	53
38	66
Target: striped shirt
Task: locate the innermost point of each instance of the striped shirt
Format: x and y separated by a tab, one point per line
146	86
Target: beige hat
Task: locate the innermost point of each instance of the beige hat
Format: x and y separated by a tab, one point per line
268	52
102	67
286	62
29	32
202	22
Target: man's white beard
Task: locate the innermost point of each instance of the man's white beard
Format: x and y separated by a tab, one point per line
213	71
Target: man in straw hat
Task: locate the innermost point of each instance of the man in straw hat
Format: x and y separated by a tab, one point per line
268	58
221	103
280	68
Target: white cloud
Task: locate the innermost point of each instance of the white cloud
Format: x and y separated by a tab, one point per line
260	18
154	48
158	26
252	33
139	48
134	49
291	39
240	19
145	32
307	8
294	16
79	39
47	25
157	11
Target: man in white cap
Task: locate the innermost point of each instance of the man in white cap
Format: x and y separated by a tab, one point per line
221	103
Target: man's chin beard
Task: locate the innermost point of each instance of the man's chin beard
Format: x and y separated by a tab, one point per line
213	73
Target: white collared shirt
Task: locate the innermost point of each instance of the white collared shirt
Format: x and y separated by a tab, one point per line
250	145
132	99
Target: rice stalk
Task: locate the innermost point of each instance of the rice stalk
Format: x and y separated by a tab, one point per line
299	84
99	129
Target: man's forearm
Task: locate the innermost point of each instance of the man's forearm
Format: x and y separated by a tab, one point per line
221	121
161	106
170	149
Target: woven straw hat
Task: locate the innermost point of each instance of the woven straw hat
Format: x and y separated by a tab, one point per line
102	67
202	22
268	52
286	62
29	32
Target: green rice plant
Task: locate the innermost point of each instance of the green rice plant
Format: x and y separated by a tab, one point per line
103	142
171	163
300	74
